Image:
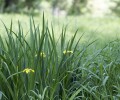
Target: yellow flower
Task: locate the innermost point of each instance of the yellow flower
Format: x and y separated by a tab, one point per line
28	70
42	54
67	52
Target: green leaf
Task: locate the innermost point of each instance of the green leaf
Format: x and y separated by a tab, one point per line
105	80
0	95
75	93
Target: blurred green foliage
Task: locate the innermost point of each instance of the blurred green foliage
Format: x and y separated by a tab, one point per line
116	8
77	6
71	7
59	3
18	5
21	5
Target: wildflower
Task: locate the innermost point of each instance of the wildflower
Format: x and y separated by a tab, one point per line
42	54
67	52
28	70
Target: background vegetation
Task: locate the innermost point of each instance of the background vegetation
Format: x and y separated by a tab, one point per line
71	7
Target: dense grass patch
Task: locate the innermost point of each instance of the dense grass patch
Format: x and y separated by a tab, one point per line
37	66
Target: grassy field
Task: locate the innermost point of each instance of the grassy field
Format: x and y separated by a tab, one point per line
54	63
106	28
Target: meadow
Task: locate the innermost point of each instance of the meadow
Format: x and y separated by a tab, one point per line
59	58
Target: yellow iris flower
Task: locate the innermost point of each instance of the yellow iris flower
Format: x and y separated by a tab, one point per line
42	54
28	70
67	52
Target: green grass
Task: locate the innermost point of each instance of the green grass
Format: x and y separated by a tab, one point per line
104	29
86	71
